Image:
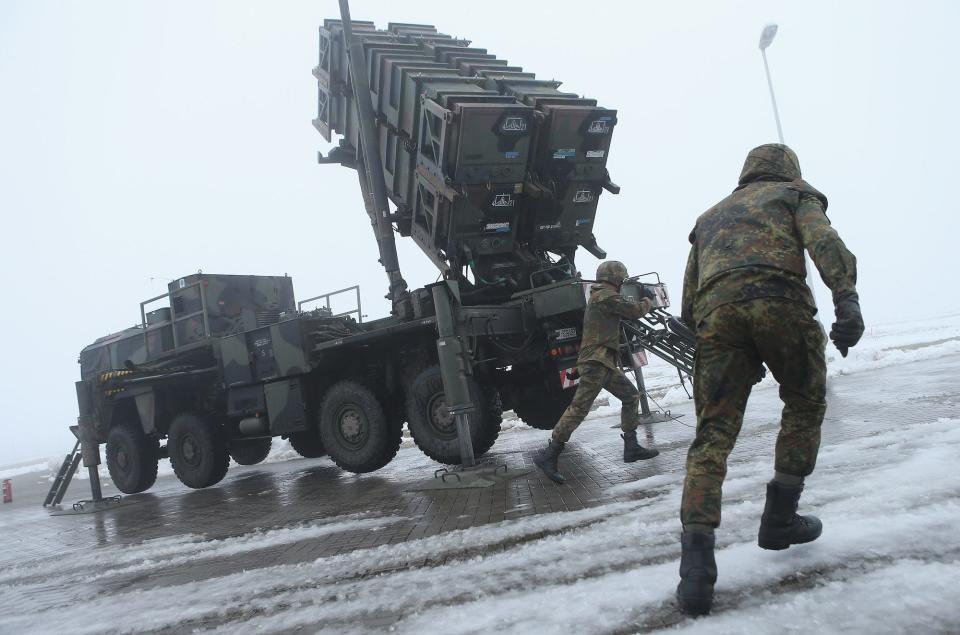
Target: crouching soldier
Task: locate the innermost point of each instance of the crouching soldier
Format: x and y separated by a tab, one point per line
599	367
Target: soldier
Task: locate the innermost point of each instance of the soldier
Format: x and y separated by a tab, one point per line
599	367
745	294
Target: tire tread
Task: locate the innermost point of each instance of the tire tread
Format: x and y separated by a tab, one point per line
217	441
362	396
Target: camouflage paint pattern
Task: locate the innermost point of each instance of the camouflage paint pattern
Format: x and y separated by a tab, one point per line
285	406
750	245
112	352
233	303
601	324
245	400
235	359
288	349
594	377
612	271
732	342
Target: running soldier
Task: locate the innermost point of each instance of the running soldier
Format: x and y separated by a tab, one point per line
745	294
599	367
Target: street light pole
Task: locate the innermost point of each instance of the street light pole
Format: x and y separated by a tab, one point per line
773	98
766	38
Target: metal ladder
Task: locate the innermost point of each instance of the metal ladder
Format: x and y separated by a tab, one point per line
669	339
67	469
666	337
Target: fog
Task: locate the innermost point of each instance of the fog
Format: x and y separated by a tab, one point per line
143	141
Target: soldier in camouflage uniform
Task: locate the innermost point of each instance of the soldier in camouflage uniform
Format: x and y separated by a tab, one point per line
599	367
745	294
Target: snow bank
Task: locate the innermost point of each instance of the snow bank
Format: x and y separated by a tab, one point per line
10	472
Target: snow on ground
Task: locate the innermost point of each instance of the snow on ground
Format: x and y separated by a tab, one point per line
593	577
189	549
888	561
889	543
31	468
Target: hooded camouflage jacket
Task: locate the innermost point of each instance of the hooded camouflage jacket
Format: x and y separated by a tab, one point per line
751	244
601	324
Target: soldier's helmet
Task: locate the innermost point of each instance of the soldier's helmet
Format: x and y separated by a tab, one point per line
770	162
612	271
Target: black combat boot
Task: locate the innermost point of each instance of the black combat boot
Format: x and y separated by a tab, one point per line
546	460
698	572
780	525
633	451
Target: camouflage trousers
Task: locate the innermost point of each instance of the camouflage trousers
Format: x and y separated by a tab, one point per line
593	378
732	341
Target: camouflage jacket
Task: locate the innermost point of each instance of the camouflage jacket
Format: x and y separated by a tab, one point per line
601	324
750	245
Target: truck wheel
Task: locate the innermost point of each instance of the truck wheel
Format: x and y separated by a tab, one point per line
131	459
433	428
354	428
493	416
307	443
250	451
542	410
198	451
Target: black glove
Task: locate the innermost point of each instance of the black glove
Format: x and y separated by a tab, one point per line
846	331
647	292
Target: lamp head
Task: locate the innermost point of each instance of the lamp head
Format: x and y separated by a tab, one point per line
766	37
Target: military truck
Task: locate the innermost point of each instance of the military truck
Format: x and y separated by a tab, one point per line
495	174
231	362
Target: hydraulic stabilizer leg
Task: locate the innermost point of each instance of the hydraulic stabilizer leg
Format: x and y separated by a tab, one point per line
454	368
90	453
89	448
646	416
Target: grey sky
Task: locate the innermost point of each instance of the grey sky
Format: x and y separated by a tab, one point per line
143	141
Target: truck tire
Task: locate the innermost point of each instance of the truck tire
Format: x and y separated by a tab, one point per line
131	459
493	416
198	451
541	409
250	451
307	443
354	429
435	431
